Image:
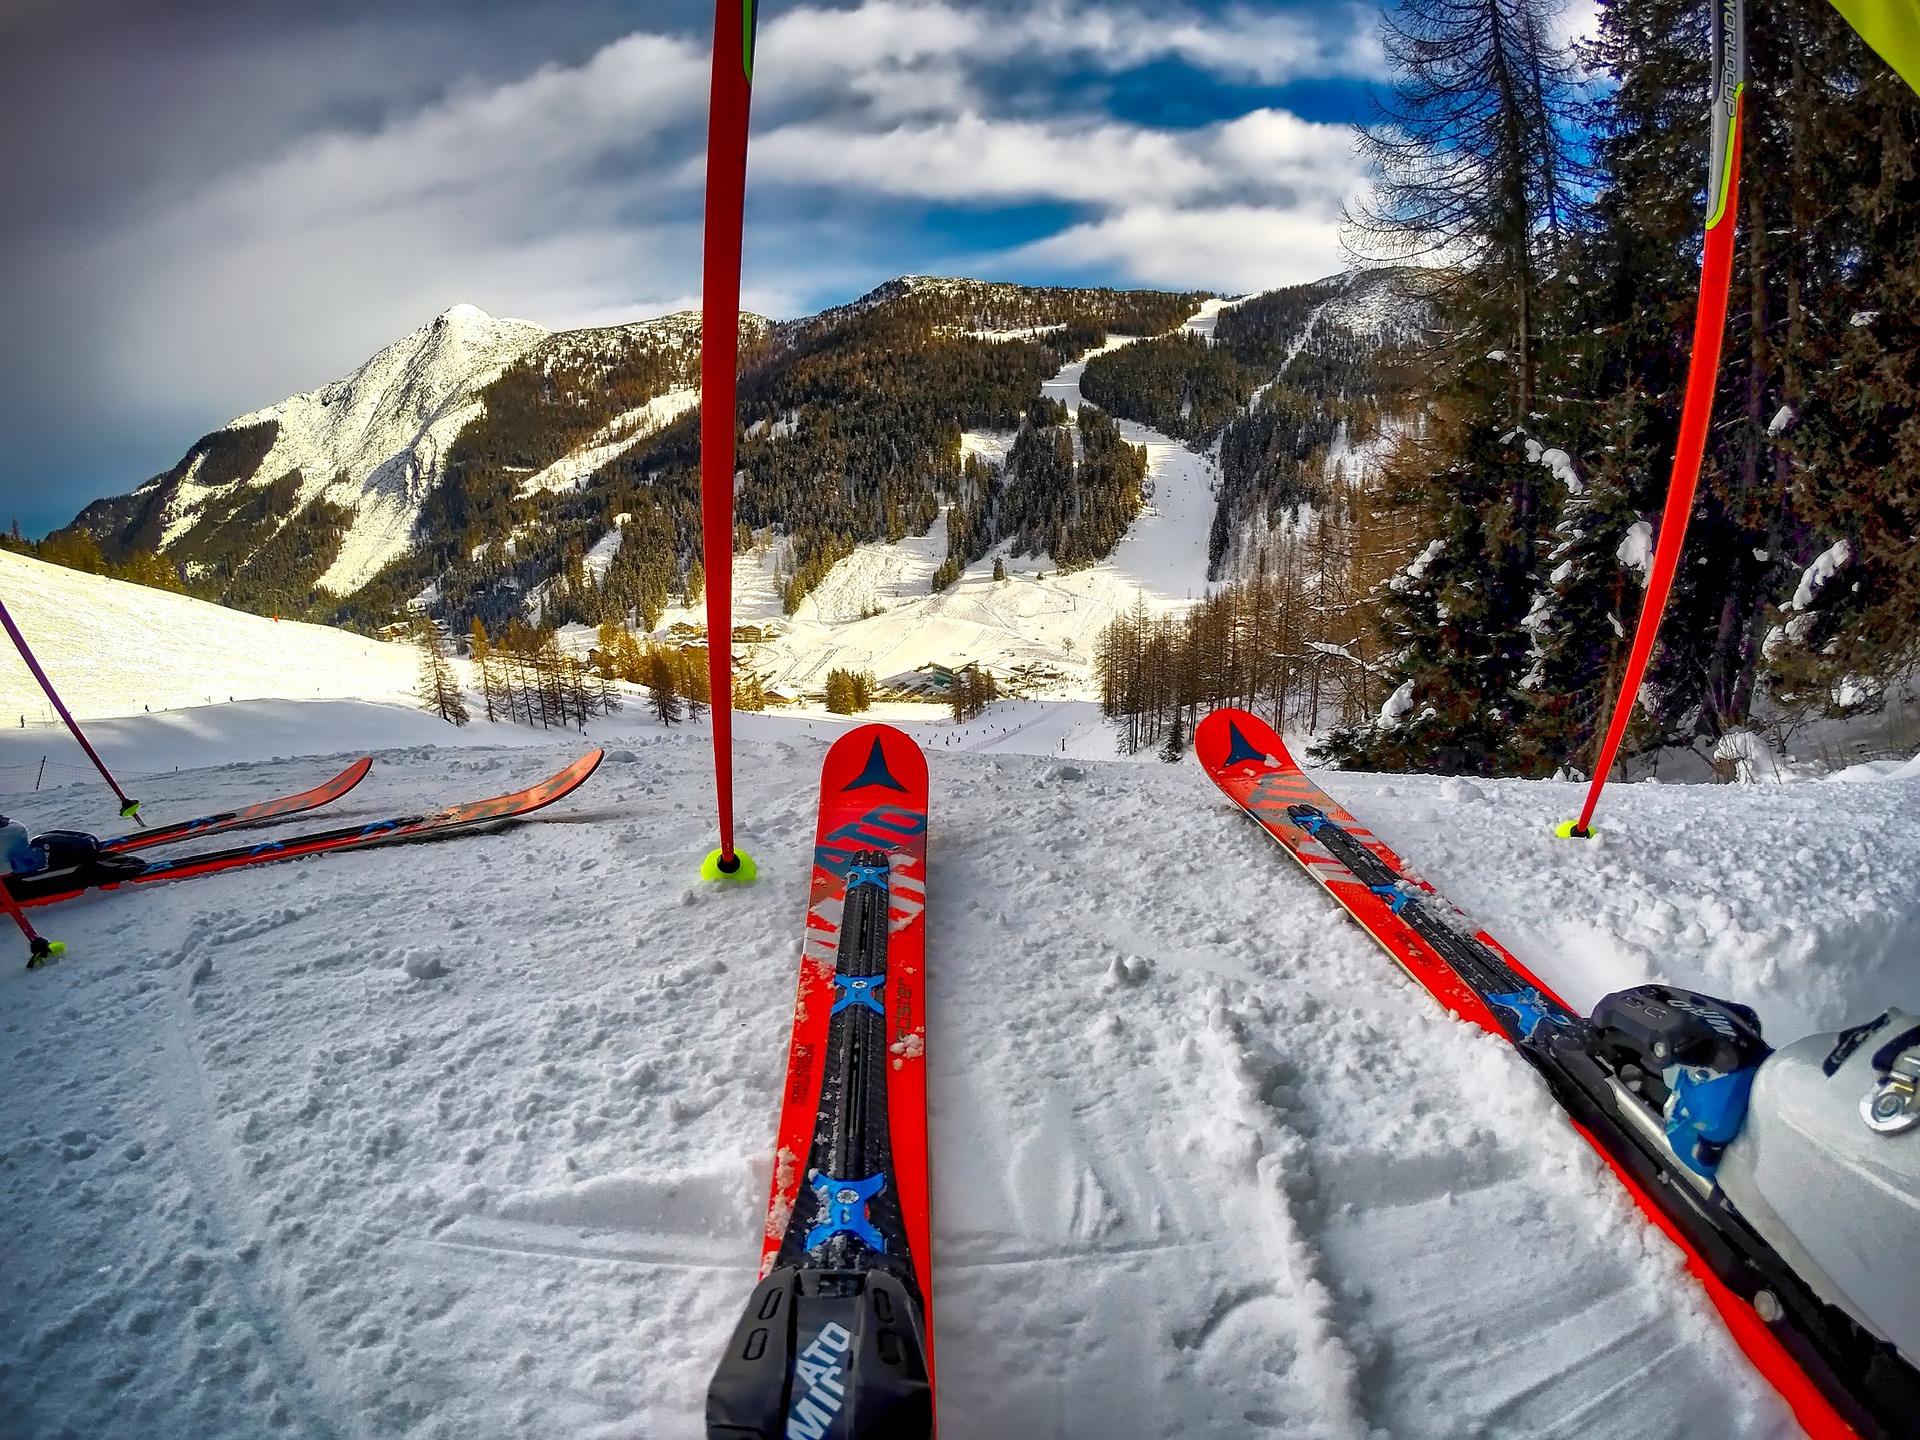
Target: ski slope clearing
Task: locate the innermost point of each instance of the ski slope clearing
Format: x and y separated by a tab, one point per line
875	610
117	649
471	1139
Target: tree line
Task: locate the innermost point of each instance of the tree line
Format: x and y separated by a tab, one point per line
1531	484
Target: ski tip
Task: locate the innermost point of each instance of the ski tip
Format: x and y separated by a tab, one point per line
1570	830
743	871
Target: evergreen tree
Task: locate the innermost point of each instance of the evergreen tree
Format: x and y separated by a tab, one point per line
1176	742
1474	155
663	689
840	692
972	691
439	690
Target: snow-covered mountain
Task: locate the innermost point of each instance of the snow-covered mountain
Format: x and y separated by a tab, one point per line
477	463
373	442
355	459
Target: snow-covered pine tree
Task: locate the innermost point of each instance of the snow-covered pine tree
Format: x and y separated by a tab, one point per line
1850	630
1475	161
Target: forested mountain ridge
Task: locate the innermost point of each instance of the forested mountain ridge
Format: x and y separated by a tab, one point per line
479	460
1283	379
316	495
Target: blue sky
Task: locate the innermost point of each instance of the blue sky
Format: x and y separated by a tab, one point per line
221	203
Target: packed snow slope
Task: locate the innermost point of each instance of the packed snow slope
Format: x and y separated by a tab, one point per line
111	648
471	1139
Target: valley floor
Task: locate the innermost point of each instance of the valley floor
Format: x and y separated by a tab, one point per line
471	1139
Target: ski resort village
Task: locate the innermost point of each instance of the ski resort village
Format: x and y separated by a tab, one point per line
1118	722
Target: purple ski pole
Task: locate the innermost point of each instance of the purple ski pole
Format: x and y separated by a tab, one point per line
129	809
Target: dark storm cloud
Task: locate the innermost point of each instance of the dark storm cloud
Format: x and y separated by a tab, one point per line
214	205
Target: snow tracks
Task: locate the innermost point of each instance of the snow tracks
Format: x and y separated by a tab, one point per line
471	1139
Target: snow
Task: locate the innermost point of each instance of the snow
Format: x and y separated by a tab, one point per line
471	1138
1396	705
1828	564
118	649
1203	323
1416	570
1752	758
1635	550
613	440
1559	462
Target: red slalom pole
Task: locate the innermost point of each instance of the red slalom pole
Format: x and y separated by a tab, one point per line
129	809
731	100
1703	372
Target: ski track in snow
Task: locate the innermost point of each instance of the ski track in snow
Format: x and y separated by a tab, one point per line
1204	1162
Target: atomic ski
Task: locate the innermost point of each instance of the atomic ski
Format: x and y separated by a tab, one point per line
74	874
259	814
1837	1378
837	1339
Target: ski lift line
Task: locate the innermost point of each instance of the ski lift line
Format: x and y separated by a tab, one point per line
728	106
1710	323
129	808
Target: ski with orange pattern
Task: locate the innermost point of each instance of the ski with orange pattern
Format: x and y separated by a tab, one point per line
260	814
109	870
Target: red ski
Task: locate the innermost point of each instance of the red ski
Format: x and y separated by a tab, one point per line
108	870
259	814
837	1339
1823	1366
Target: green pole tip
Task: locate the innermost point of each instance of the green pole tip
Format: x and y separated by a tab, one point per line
714	867
130	809
43	951
1570	830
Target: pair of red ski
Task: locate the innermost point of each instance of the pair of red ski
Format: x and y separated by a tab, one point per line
114	864
836	1340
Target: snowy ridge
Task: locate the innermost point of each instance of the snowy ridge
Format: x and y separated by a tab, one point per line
373	442
1378	305
614	439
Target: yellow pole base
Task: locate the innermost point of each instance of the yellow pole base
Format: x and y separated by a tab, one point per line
1570	830
742	871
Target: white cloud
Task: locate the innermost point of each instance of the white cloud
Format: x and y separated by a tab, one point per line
905	56
573	195
1231	248
1249	203
1577	20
